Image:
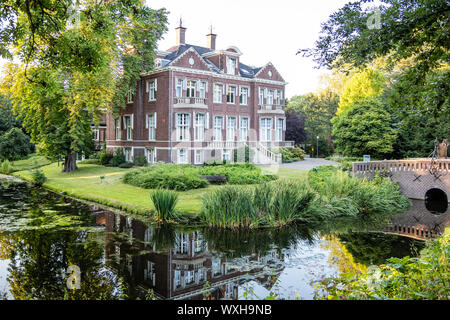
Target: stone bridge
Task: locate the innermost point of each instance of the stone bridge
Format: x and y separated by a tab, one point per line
416	177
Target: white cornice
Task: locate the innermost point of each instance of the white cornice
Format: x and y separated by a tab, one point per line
214	74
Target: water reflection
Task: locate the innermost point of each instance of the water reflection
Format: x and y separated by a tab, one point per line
41	234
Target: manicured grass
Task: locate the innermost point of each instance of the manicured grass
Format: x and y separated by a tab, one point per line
32	161
85	183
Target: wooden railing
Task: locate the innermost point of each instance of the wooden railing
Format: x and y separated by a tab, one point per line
439	165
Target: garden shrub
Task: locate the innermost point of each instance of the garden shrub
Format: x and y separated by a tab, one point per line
140	161
165	202
105	157
291	154
90	161
126	165
38	177
6	167
118	158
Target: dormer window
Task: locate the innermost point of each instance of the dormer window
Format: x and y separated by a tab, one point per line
231	66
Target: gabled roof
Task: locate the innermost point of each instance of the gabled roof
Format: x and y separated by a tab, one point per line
175	52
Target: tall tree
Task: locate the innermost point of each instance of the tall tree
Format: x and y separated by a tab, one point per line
78	58
399	29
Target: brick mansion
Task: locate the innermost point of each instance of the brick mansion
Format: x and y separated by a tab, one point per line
201	103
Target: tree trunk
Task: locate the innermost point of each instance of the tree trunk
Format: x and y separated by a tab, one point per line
70	162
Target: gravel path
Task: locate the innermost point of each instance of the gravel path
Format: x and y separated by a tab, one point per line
308	164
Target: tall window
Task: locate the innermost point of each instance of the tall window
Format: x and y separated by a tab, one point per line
244	129
199	156
128	152
202	89
226	154
96	134
151	124
280	124
179	88
243	98
231	66
278	97
231	128
182	156
199	127
182	243
152	90
270	97
218	88
117	126
218	126
266	129
231	94
151	156
130	96
182	125
261	96
129	127
190	93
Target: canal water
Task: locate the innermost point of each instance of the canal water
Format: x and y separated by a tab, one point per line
42	235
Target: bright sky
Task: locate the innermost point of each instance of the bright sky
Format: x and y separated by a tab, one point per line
264	30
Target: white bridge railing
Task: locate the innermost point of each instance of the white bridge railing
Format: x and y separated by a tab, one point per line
439	165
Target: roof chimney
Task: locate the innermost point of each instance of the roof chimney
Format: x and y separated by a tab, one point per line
181	34
211	40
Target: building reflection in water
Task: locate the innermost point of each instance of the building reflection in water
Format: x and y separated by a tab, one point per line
177	265
180	265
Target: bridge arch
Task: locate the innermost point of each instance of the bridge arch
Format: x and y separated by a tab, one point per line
436	200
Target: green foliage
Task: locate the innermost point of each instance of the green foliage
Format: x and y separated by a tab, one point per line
6	167
169	176
165	202
318	110
187	177
229	207
409	30
89	161
364	128
38	177
118	158
419	278
140	161
291	154
14	144
69	72
366	84
126	165
105	157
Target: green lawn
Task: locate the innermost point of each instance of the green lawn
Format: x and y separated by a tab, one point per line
86	184
32	161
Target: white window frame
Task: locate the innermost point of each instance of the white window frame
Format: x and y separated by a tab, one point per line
128	152
118	127
130	96
269	98
201	153
231	128
217	130
266	130
231	94
261	96
202	89
185	151
152	88
218	93
183	126
241	95
151	126
150	155
96	134
199	126
226	154
129	126
243	129
231	65
191	88
179	88
279	129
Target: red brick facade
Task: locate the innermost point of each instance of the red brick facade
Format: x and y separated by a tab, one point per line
175	103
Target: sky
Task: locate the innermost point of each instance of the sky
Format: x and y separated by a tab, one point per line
264	30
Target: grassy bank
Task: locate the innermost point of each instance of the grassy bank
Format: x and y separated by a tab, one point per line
86	184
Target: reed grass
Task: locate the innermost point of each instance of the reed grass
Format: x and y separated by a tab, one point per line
165	202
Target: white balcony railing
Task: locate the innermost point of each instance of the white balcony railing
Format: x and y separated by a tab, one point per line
200	101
